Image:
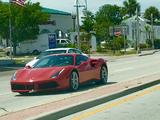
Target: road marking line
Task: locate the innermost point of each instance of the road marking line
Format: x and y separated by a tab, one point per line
115	103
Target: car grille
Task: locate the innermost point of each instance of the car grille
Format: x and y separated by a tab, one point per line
22	87
48	85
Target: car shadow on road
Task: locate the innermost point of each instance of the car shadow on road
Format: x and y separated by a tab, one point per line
82	88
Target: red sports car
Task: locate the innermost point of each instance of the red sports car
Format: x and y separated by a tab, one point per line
59	72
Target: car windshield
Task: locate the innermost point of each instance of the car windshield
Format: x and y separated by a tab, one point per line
45	53
57	60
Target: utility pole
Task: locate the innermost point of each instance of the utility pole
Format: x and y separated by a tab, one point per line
74	22
152	31
78	30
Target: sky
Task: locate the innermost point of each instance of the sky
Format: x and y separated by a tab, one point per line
93	5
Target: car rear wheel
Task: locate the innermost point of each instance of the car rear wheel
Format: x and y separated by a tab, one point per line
104	75
74	81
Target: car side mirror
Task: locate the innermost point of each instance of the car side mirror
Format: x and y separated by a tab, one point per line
35	58
83	63
93	63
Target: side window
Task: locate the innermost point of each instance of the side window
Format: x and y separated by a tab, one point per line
70	51
80	59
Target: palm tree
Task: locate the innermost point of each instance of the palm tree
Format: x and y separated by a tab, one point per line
152	10
130	7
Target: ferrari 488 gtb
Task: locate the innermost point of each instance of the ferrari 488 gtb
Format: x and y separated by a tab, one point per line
59	72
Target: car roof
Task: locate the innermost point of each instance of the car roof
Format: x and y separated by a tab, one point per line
66	54
59	49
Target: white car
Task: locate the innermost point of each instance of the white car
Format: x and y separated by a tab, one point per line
54	51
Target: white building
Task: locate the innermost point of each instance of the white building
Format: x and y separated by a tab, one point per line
59	20
144	34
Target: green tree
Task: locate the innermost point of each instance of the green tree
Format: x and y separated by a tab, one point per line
85	42
130	7
154	11
88	21
4	22
25	22
117	43
108	15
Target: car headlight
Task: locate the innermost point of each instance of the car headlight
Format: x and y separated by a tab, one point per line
57	73
14	76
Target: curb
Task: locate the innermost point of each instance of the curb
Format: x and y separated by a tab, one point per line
149	53
54	115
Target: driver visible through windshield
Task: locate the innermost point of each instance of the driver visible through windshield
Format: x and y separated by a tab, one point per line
57	60
45	53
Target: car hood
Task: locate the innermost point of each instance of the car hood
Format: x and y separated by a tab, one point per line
36	74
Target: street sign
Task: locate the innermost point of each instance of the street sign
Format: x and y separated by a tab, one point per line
52	40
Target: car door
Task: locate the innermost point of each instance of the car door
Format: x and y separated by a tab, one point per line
84	68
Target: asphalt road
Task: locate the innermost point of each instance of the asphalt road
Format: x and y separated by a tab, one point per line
119	70
143	105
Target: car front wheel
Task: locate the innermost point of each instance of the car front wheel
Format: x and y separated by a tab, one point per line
74	81
104	75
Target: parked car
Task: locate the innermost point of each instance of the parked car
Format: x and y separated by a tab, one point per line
63	41
54	51
58	72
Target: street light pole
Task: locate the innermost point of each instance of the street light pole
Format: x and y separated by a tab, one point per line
74	22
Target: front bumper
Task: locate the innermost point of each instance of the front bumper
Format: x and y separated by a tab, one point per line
33	87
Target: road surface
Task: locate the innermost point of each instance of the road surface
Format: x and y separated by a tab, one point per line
143	105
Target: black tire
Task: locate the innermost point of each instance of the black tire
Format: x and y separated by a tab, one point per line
104	74
74	81
35	52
